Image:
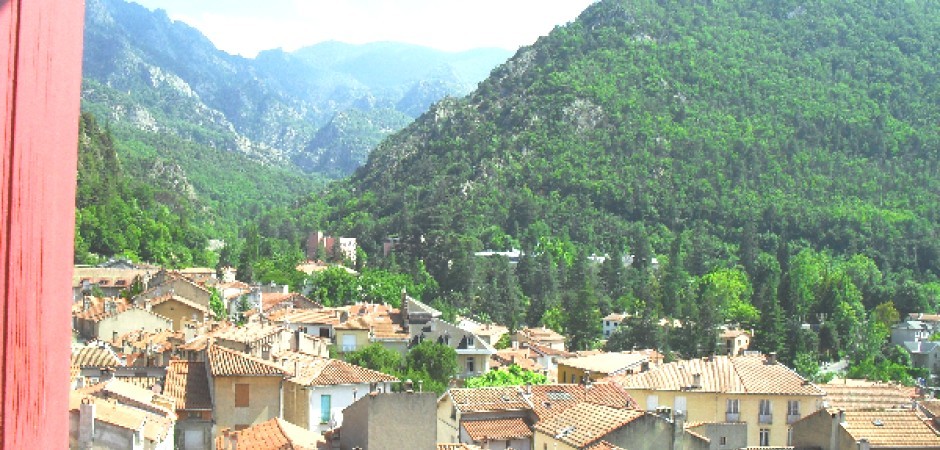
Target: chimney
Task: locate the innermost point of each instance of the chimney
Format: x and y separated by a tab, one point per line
86	423
696	381
863	444
772	358
678	429
838	417
86	303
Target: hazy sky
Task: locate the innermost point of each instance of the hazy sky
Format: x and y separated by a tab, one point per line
246	27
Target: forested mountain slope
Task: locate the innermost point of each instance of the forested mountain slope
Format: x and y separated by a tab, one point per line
797	120
780	159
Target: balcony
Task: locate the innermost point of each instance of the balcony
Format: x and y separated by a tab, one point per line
765	418
349	348
792	418
732	417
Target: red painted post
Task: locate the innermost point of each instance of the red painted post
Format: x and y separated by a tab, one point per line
41	44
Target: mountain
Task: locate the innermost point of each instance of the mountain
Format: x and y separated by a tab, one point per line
148	73
751	126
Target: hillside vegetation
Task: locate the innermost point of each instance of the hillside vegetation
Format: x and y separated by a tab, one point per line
778	158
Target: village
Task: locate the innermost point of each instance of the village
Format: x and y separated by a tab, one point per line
160	370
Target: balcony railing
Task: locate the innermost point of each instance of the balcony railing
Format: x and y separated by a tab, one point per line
732	417
349	348
792	418
765	418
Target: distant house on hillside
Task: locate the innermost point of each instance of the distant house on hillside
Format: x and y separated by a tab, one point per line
319	243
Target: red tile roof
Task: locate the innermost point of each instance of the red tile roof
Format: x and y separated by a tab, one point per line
96	356
489	399
497	429
604	445
227	362
549	400
893	428
586	423
735	374
188	383
98	308
156	427
859	395
312	370
273	434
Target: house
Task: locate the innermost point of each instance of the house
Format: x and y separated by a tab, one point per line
525	358
548	358
319	389
166	283
255	338
276	301
314	322
473	353
198	275
933	320
754	390
545	337
341	248
390	421
592	426
611	322
119	391
603	365
144	349
833	429
498	417
245	390
911	331
105	318
733	342
98	423
187	382
491	333
273	434
95	361
924	354
176	308
110	281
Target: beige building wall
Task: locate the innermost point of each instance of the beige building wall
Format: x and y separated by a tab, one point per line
264	401
177	312
447	421
297	405
132	320
390	421
712	407
351	340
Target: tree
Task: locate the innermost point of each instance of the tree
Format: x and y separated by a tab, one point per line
216	305
511	376
376	357
583	324
886	314
438	361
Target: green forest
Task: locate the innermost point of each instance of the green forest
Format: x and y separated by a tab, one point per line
771	165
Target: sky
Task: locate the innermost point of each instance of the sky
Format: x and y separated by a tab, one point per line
246	27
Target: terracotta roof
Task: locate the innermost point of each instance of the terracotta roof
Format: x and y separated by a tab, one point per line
615	317
98	308
548	351
522	357
726	334
489	399
172	297
272	434
497	429
901	428
354	323
248	333
604	445
542	334
144	382
74	373
734	374
93	355
156	427
858	395
142	340
188	383
607	363
457	447
586	423
295	300
131	395
924	317
110	275
312	370
549	400
307	316
227	362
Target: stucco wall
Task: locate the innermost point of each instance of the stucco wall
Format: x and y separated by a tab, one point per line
177	312
264	401
391	421
132	320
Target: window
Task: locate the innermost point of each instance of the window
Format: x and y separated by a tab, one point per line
325	405
242	397
733	410
793	411
765	437
764	412
471	364
723	441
